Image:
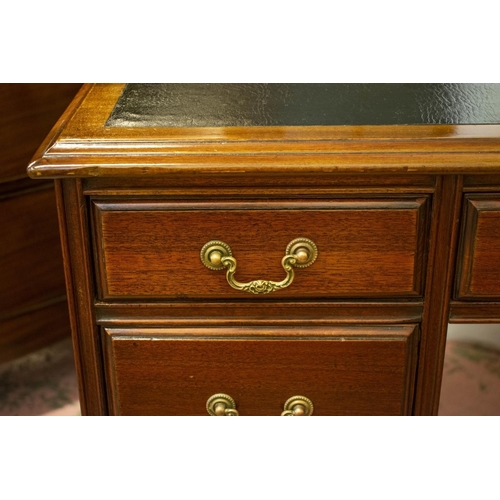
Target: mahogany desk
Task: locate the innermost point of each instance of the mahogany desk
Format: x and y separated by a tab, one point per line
362	219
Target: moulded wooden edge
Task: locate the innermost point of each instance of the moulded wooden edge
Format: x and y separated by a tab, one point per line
474	312
93	112
250	313
81	145
128	165
336	333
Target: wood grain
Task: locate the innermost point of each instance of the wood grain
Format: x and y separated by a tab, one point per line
478	267
156	332
73	223
482	183
230	313
86	147
439	284
367	248
474	312
344	371
258	186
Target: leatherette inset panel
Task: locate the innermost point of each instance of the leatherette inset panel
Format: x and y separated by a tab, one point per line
272	104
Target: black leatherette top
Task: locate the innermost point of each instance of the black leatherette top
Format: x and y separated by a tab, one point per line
268	104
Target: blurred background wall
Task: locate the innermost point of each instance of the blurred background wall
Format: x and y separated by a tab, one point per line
33	310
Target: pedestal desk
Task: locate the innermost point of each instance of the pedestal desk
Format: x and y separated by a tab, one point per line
270	249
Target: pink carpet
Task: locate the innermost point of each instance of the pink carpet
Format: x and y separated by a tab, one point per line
44	383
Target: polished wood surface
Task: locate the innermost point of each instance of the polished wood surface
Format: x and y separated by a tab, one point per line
83	146
474	312
259	186
367	247
386	203
478	273
344	371
439	284
73	222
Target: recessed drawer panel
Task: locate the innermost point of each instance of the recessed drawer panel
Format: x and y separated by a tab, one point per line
366	248
342	370
478	270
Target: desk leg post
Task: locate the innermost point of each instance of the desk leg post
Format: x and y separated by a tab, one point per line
439	282
80	288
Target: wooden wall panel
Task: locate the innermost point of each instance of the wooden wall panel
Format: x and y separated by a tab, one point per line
33	308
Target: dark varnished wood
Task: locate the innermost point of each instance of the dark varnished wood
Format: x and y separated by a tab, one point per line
85	147
268	187
33	310
258	313
474	312
478	268
135	180
367	247
73	220
344	371
444	230
482	183
30	253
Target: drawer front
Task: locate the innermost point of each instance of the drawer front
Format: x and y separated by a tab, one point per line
342	370
478	270
366	248
31	265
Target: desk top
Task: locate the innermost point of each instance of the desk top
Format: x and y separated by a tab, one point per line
141	130
299	104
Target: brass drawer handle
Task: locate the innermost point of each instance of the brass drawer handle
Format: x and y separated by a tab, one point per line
298	406
221	405
217	255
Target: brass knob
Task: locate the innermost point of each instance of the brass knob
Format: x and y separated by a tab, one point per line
215	258
300	252
221	405
298	406
302	255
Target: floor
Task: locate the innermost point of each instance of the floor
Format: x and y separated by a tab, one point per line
44	383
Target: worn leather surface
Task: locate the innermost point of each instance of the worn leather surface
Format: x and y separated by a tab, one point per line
226	105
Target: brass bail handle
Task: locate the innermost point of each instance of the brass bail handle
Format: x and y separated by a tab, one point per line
221	405
298	406
300	252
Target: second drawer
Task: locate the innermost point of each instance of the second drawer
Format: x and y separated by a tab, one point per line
347	370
